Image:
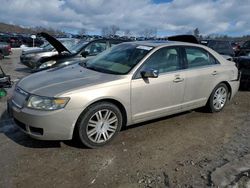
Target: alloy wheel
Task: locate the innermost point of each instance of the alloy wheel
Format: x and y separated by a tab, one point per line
102	126
220	98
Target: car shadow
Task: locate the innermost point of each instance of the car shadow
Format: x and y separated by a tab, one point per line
8	128
23	69
145	123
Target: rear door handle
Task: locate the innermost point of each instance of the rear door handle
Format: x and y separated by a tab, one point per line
214	73
178	79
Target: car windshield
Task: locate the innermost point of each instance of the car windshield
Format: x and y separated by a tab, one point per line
76	47
47	46
119	59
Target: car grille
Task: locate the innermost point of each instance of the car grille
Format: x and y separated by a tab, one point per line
19	97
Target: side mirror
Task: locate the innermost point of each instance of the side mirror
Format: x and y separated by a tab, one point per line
152	73
84	54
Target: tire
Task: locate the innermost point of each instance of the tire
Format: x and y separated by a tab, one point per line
218	98
98	124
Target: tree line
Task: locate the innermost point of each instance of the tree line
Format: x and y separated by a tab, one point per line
113	30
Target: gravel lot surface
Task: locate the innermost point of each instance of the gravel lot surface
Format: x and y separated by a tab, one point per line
191	149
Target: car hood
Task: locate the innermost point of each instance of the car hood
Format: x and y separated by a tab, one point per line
54	42
57	81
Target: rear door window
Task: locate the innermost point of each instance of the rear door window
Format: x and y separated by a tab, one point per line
197	57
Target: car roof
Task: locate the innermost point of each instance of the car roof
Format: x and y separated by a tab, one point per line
160	43
214	40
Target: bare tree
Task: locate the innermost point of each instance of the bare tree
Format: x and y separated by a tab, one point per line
114	29
196	32
110	30
82	31
105	31
149	32
127	32
48	30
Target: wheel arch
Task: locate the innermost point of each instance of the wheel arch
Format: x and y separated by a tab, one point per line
110	100
228	87
118	104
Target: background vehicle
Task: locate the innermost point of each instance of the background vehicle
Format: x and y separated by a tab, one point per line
31	57
16	40
70	54
5	49
242	60
236	47
129	83
243	64
26	49
5	82
244	50
221	47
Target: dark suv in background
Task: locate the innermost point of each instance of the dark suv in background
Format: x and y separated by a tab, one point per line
244	49
222	47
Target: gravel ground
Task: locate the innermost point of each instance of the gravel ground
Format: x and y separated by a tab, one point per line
191	149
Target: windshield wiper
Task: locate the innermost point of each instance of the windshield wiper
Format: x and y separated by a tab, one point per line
84	64
93	68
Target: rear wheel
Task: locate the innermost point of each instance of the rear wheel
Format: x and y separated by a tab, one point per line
99	124
218	98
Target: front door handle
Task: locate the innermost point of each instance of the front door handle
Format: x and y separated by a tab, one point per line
178	79
214	73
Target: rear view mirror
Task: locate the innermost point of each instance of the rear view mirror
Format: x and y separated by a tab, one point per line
84	54
152	73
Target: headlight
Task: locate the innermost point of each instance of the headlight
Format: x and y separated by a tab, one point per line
46	103
47	64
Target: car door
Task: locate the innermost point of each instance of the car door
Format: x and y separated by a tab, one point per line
201	70
156	97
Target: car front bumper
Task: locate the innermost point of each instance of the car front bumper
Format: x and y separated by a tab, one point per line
45	125
27	62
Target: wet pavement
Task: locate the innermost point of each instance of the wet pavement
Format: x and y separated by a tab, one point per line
191	149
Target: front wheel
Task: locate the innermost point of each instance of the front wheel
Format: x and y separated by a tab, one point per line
218	98
99	124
